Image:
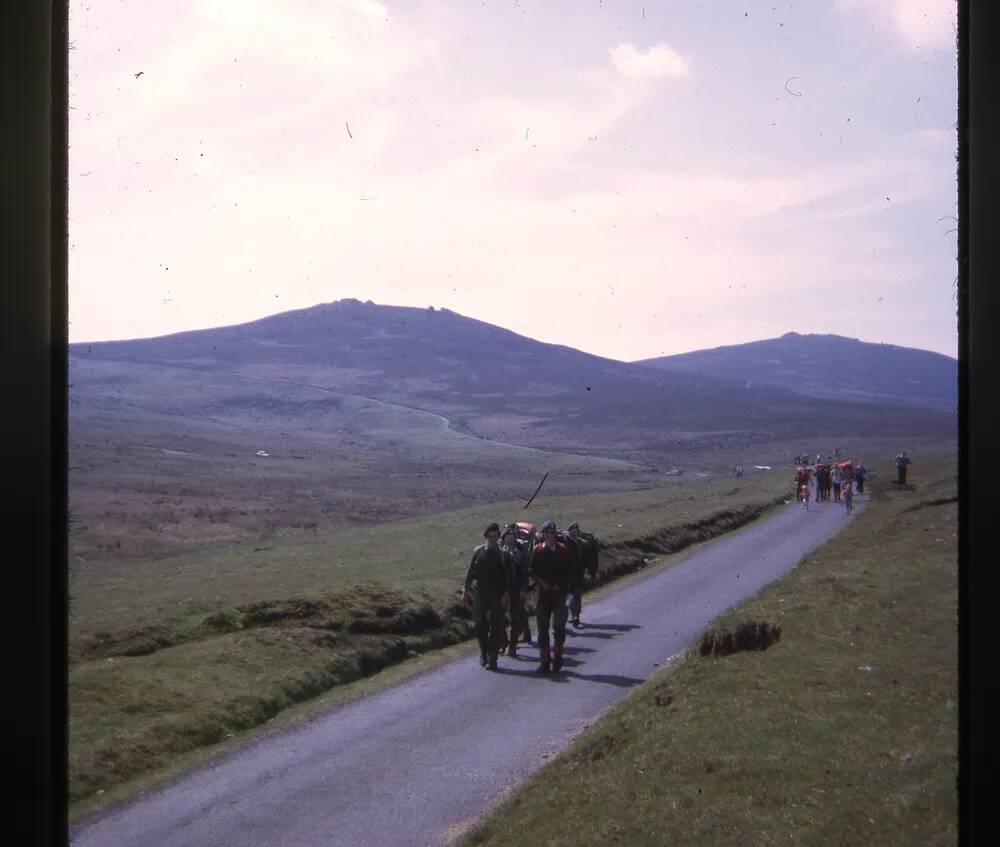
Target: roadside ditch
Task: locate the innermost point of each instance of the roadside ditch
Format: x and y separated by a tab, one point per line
141	698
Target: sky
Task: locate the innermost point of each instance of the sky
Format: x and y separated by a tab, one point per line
632	178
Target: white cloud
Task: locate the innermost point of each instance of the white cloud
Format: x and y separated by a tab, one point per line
235	170
227	64
657	62
926	24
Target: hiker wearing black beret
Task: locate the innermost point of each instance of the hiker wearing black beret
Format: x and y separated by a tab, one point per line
491	570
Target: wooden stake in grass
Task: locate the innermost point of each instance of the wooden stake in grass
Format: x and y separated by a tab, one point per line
533	496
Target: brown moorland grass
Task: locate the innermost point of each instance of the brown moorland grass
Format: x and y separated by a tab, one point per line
842	731
176	657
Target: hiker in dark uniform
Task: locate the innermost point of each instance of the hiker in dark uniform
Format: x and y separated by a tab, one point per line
553	568
525	543
586	563
860	475
822	483
518	589
490	568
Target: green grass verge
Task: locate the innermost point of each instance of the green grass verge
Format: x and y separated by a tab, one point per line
173	659
844	731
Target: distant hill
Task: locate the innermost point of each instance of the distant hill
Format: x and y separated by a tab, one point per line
832	367
493	383
349	413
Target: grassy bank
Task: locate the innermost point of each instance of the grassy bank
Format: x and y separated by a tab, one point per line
171	659
843	731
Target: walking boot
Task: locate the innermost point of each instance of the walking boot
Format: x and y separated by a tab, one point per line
512	650
482	658
544	666
492	663
557	659
526	637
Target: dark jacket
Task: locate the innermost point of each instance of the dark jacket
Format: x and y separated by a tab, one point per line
491	570
556	568
519	570
575	548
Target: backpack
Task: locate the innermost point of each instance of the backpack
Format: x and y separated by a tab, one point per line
591	553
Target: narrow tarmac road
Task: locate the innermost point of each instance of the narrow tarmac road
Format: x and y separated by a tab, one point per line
417	763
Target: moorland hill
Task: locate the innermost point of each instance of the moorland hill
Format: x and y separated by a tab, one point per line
830	366
497	384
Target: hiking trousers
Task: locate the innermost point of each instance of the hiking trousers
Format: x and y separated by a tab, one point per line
519	624
552	612
488	619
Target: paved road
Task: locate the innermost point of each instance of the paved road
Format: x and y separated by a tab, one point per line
416	763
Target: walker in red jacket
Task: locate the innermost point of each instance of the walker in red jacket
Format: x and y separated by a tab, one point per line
554	571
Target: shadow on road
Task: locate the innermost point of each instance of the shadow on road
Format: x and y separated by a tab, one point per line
565	676
608	630
506	670
569	650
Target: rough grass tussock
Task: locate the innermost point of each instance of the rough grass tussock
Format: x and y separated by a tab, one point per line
748	635
370	609
940	501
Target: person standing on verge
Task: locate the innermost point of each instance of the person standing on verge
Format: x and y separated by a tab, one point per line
849	496
518	589
491	570
553	569
902	463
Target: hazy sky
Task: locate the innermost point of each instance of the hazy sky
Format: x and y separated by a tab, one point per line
630	178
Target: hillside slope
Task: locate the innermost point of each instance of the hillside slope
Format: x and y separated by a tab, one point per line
485	380
832	367
349	413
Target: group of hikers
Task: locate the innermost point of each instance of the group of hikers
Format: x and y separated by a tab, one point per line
507	568
832	478
839	478
520	559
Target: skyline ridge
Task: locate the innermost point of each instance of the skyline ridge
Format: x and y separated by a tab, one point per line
448	310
